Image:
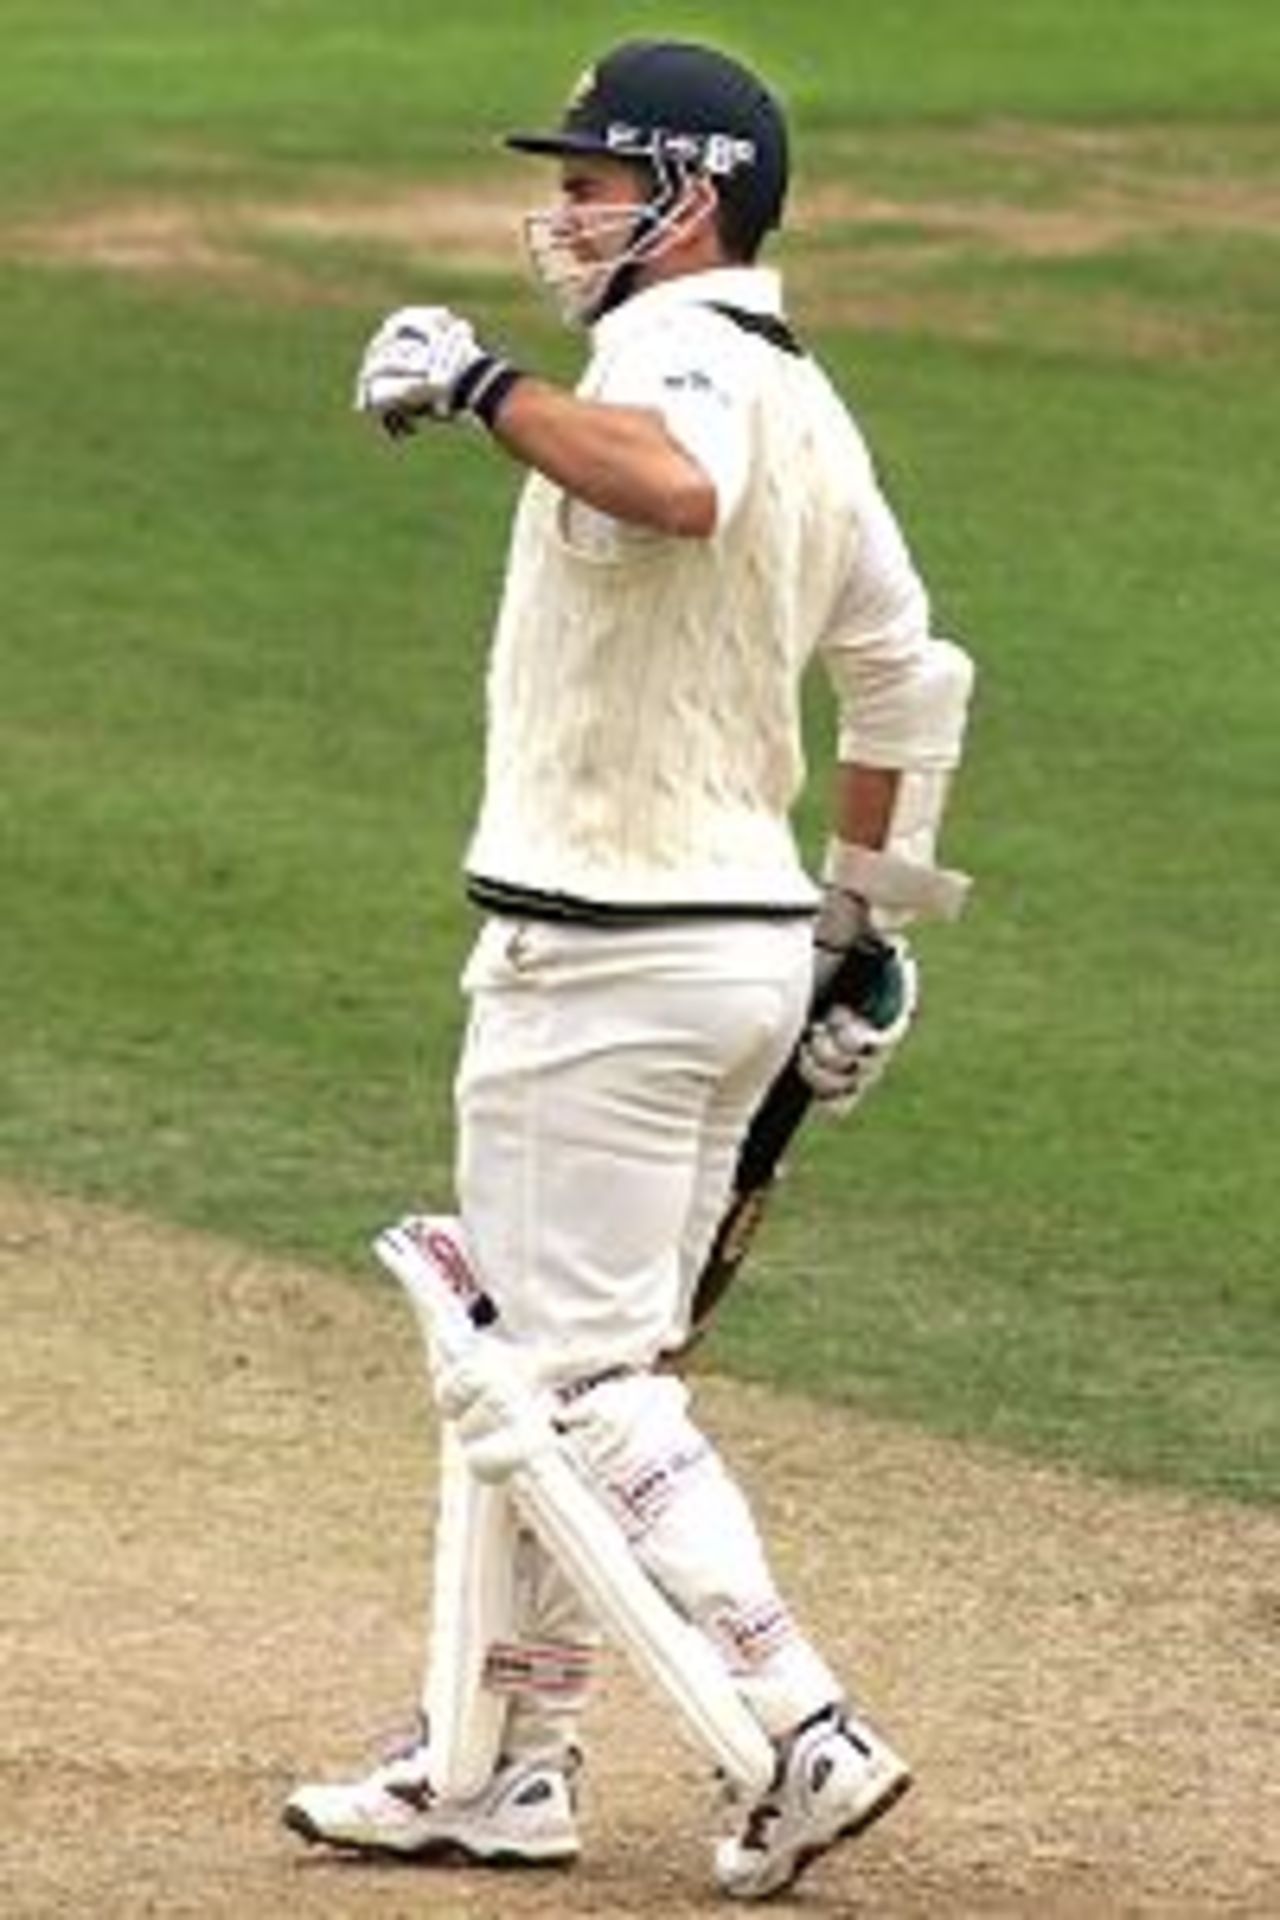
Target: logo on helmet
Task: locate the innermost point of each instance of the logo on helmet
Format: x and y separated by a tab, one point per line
583	87
725	154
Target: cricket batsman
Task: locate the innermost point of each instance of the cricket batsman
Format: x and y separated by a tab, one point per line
700	520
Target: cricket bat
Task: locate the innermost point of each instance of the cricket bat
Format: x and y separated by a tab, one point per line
771	1132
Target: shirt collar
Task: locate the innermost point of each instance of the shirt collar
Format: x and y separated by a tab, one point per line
759	289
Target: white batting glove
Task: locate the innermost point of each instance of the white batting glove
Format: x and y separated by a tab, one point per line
845	1050
496	1416
425	363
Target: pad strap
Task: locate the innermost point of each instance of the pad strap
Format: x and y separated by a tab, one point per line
526	1666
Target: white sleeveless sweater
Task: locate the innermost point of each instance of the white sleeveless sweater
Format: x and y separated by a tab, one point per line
644	745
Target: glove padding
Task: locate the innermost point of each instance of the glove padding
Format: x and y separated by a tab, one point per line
845	1049
425	363
495	1415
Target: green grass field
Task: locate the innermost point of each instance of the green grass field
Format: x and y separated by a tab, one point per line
243	642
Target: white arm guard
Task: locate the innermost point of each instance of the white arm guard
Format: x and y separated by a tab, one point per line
896	883
910	715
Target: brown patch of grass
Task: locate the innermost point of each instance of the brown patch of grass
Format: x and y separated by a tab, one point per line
1099	216
473	230
861	299
477	227
164	241
1032	190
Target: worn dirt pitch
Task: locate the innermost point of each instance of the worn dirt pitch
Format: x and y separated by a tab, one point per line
212	1574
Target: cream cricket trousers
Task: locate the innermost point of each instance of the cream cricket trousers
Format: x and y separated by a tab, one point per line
605	1084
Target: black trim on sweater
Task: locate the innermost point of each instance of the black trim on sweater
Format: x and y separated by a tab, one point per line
770	326
529	903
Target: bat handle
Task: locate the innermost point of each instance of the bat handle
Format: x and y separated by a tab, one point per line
424	1256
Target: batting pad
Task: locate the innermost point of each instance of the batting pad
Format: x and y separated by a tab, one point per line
427	1254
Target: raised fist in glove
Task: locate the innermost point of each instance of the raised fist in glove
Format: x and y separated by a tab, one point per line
425	363
862	1011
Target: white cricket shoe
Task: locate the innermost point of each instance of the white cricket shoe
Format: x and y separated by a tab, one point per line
835	1776
523	1817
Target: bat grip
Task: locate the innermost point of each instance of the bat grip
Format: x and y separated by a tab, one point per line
788	1100
853	983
